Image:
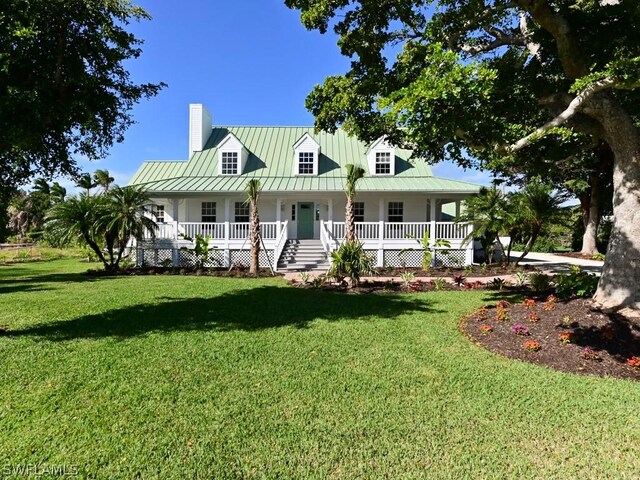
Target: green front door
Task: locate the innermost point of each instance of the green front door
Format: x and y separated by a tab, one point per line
305	220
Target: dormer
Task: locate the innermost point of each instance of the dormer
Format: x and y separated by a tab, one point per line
381	158
232	156
307	153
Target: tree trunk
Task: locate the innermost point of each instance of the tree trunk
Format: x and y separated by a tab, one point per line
619	286
255	240
532	240
591	219
349	223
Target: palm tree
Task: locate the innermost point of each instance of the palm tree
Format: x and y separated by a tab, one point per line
103	179
103	222
41	186
85	181
253	193
487	213
354	173
77	219
129	215
537	206
58	193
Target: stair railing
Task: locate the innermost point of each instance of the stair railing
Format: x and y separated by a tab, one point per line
281	241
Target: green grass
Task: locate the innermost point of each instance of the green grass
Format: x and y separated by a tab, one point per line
37	253
197	377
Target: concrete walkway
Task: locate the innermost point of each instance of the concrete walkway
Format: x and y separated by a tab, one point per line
552	263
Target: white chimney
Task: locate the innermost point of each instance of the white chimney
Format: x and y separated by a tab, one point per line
200	127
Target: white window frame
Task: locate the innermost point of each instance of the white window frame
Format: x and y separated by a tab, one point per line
383	159
306	145
355	206
159	213
208	207
224	162
243	206
381	146
398	206
306	164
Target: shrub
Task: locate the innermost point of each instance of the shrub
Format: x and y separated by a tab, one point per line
540	282
407	278
497	283
519	329
577	282
521	279
589	354
350	261
634	362
458	280
439	283
532	346
567	337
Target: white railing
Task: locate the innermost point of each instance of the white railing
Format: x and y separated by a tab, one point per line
364	230
166	230
281	240
401	231
191	229
240	231
451	231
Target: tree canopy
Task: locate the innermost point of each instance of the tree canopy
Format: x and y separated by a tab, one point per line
64	88
493	82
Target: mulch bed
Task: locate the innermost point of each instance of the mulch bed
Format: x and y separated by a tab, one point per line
395	286
572	336
493	270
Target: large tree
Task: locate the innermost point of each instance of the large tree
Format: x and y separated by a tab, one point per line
64	88
477	80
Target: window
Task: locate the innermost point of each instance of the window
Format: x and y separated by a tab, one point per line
293	212
358	211
395	212
229	163
383	163
305	163
209	212
241	212
158	212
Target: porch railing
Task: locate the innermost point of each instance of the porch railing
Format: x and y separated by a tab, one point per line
281	240
217	231
402	230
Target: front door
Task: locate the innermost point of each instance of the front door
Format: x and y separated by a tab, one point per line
305	220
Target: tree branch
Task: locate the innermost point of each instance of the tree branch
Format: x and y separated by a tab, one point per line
534	48
501	39
563	117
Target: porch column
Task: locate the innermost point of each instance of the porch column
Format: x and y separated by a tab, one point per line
432	226
278	215
175	214
330	210
457	208
380	262
227	231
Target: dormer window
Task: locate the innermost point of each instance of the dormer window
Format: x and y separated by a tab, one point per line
229	163
306	153
381	158
383	163
306	162
232	156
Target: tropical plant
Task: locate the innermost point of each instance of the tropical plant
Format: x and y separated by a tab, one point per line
540	282
354	173
577	282
57	193
200	250
537	205
407	278
106	223
103	179
439	283
428	251
253	193
86	182
351	262
487	214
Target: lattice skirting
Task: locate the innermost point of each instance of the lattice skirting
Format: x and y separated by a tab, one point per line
166	257
243	257
413	258
373	255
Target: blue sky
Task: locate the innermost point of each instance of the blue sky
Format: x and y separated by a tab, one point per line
251	62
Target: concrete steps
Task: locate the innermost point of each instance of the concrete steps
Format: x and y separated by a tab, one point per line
300	255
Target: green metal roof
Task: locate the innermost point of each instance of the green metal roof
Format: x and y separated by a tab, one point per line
271	160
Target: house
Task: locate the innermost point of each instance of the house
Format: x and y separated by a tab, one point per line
302	203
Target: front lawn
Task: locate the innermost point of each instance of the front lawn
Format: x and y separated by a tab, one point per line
199	377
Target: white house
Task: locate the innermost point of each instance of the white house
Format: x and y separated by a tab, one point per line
302	175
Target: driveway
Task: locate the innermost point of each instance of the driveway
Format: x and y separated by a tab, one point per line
552	263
